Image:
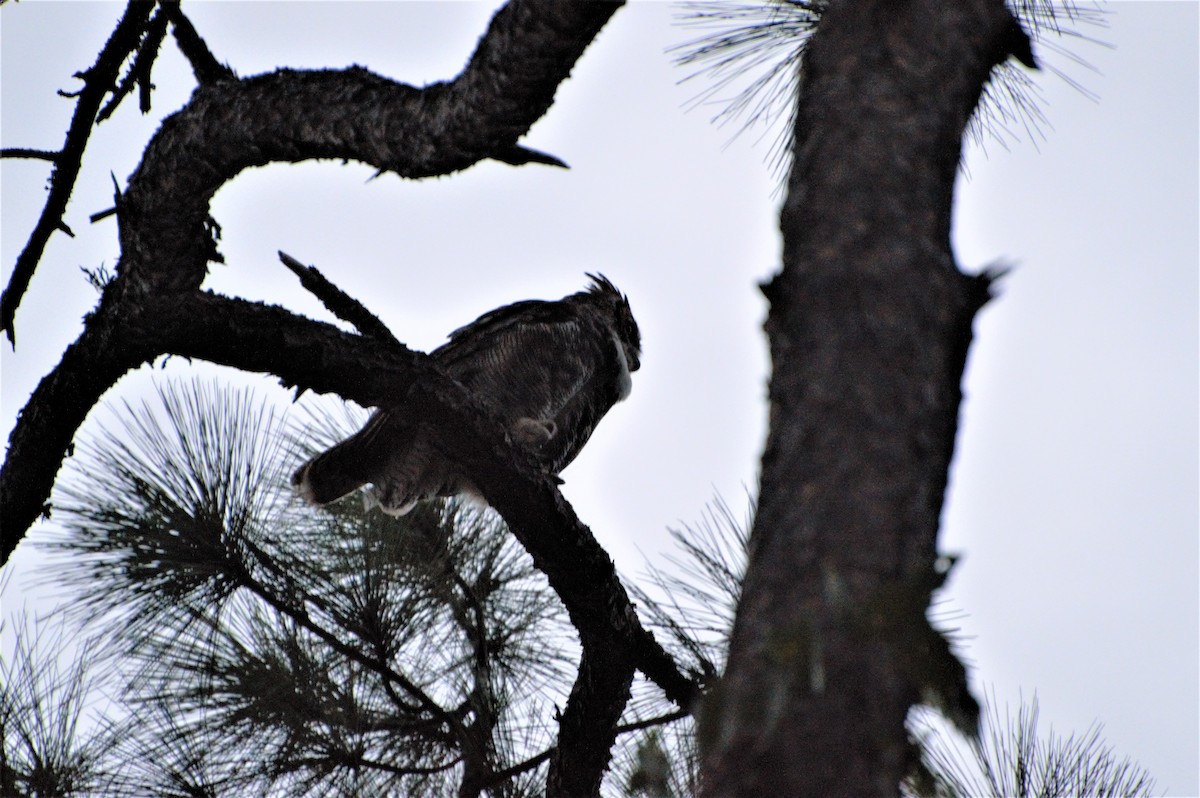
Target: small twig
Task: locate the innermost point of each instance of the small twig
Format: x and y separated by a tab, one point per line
139	70
98	80
649	723
115	209
25	152
361	761
339	303
501	776
519	156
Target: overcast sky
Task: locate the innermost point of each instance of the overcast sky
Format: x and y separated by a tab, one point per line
1073	498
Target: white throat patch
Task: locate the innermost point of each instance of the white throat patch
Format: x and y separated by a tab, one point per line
624	381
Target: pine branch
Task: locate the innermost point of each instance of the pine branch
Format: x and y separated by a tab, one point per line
339	303
98	81
139	69
24	152
205	66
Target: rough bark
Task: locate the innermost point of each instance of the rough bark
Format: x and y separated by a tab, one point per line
869	326
154	307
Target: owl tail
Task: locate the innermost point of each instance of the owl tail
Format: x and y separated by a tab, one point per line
344	468
399	460
331	475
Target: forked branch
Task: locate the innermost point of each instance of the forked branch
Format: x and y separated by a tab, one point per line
154	306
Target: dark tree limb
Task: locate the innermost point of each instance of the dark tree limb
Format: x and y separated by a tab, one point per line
501	776
153	306
869	326
99	80
139	69
26	152
205	66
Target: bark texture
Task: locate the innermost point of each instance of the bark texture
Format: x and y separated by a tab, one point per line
869	326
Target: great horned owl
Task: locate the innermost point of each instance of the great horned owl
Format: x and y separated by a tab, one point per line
549	370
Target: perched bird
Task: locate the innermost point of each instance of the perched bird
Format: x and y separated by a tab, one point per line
549	370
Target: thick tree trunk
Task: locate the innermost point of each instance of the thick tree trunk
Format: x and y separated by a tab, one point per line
869	326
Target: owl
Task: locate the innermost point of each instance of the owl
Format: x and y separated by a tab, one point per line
549	370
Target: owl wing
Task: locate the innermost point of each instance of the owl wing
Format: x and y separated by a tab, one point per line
545	361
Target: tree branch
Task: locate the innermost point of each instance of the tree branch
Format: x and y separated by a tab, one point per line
337	301
348	760
98	81
140	68
25	152
650	723
205	66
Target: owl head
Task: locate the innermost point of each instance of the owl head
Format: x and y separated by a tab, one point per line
617	307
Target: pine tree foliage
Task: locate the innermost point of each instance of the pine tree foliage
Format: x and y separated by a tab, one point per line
1010	759
689	603
51	744
751	55
268	649
353	653
750	52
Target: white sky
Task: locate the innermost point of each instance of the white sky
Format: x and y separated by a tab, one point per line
1074	492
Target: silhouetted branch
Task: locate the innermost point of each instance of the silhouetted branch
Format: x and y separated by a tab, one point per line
650	723
367	762
501	776
139	69
98	81
337	301
205	65
23	152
